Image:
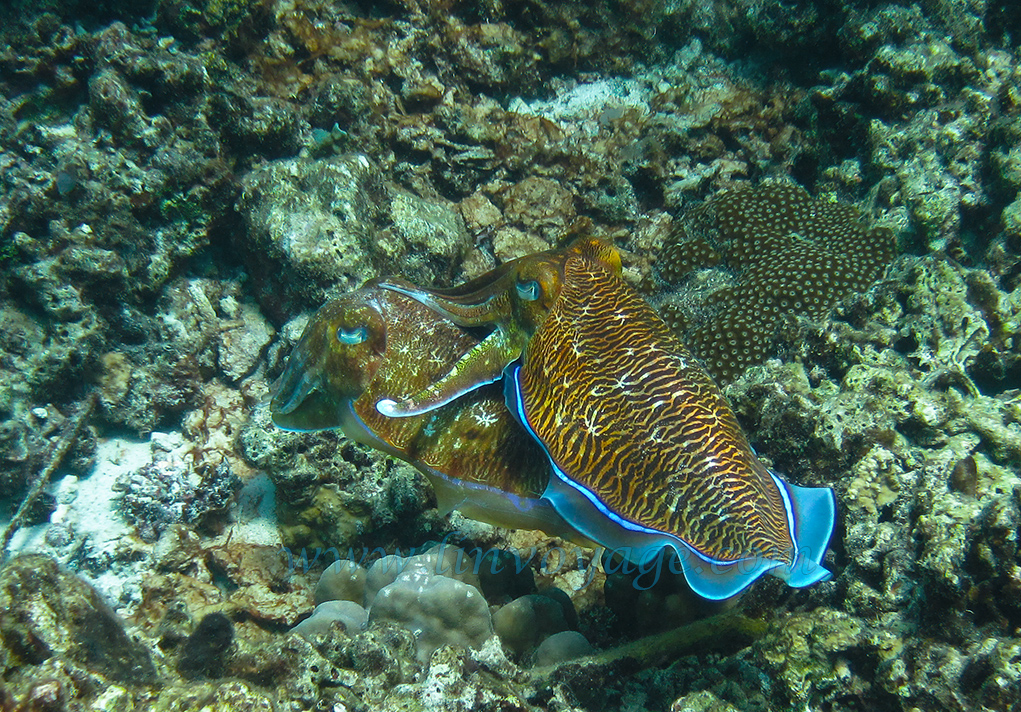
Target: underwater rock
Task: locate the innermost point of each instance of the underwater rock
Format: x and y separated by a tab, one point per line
297	675
386	652
502	575
241	347
1005	156
907	373
562	646
366	490
457	681
199	330
334	223
46	612
316	217
56	314
540	206
170	489
423	231
703	701
1011	217
888	396
256	126
105	195
811	653
116	107
339	101
226	697
524	622
926	112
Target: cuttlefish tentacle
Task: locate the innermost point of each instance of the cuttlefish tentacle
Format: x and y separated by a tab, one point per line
645	451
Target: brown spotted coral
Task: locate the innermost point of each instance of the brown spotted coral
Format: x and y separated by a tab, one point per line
787	254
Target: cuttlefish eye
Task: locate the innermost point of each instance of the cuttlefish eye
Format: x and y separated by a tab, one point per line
353	335
530	290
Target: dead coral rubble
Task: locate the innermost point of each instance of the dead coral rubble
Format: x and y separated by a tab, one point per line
928	475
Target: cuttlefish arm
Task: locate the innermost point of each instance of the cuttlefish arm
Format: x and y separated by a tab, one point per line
513	299
478	303
482	302
482	365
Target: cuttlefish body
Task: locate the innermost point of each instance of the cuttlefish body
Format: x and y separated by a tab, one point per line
375	343
645	450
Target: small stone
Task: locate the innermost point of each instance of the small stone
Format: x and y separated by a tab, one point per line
479	213
561	647
205	649
241	347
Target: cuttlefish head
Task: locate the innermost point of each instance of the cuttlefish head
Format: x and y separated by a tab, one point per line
336	358
512	300
375	343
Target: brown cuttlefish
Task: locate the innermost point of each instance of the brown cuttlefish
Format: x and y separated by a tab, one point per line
646	453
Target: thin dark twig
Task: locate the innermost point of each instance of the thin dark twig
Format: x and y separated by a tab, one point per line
67	438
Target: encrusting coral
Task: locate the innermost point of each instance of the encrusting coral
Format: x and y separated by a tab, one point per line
788	254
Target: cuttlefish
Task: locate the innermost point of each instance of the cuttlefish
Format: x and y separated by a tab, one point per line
375	343
645	451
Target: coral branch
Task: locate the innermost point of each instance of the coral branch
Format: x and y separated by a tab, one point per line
68	437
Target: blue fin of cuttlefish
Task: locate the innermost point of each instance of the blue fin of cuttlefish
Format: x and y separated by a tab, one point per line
812	512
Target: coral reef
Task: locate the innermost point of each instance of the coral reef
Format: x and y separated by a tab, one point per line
439	610
438	596
183	181
787	255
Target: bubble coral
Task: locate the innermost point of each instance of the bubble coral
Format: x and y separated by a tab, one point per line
789	254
